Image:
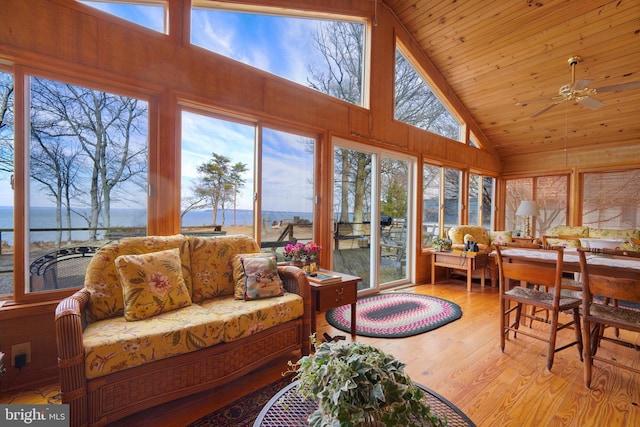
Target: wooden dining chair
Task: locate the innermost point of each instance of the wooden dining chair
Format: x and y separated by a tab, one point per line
547	276
620	285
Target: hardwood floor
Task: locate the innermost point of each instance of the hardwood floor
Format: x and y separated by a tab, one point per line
462	361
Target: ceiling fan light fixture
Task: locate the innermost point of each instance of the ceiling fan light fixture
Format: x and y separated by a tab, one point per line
579	91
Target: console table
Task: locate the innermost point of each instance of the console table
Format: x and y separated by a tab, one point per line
469	261
289	409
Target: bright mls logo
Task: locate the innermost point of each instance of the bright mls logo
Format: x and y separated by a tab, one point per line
34	415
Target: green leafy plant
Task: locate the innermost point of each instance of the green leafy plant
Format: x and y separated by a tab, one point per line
441	242
356	384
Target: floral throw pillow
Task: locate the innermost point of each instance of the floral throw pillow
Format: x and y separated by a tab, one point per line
152	283
500	237
256	276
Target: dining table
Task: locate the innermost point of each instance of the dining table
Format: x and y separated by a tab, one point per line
603	264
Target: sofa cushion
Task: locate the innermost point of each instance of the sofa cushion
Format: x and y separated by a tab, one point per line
606	233
114	344
242	318
569	230
103	281
211	269
152	283
256	276
566	230
500	237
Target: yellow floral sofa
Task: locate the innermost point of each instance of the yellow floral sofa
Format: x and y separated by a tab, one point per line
569	236
162	317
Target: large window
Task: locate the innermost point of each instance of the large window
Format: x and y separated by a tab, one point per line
326	55
481	196
551	195
416	104
431	178
287	188
217	175
610	199
452	197
86	168
442	203
224	182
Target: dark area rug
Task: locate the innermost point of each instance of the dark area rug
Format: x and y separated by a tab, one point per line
395	315
244	411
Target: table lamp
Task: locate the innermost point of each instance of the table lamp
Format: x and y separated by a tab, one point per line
527	209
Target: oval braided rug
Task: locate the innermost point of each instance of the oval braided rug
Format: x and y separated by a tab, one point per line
395	315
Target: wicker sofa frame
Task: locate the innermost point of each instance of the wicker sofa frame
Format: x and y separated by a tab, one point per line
102	400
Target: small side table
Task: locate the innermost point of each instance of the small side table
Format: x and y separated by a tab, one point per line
333	295
459	260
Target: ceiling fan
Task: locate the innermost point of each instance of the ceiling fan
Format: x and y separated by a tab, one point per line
579	91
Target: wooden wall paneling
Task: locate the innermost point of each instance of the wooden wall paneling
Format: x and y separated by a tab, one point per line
382	74
34	324
546	162
303	105
56	23
340	7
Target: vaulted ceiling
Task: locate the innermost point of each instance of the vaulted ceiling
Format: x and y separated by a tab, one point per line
497	53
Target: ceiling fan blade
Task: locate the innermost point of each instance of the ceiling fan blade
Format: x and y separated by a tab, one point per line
528	101
536	114
619	87
589	102
582	84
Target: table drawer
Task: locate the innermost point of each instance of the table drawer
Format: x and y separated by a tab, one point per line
336	296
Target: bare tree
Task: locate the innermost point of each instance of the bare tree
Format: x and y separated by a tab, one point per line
341	46
417	105
6	123
101	134
55	168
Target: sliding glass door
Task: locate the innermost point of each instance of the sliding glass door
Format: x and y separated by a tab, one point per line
394	215
372	214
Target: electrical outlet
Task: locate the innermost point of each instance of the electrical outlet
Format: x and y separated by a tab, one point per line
24	348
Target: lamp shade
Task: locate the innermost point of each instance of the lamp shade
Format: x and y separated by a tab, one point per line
527	208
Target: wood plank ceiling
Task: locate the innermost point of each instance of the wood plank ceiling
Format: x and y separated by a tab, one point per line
495	53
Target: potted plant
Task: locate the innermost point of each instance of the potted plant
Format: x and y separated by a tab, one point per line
356	384
300	253
441	244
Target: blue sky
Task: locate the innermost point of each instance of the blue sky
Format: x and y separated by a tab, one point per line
275	44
